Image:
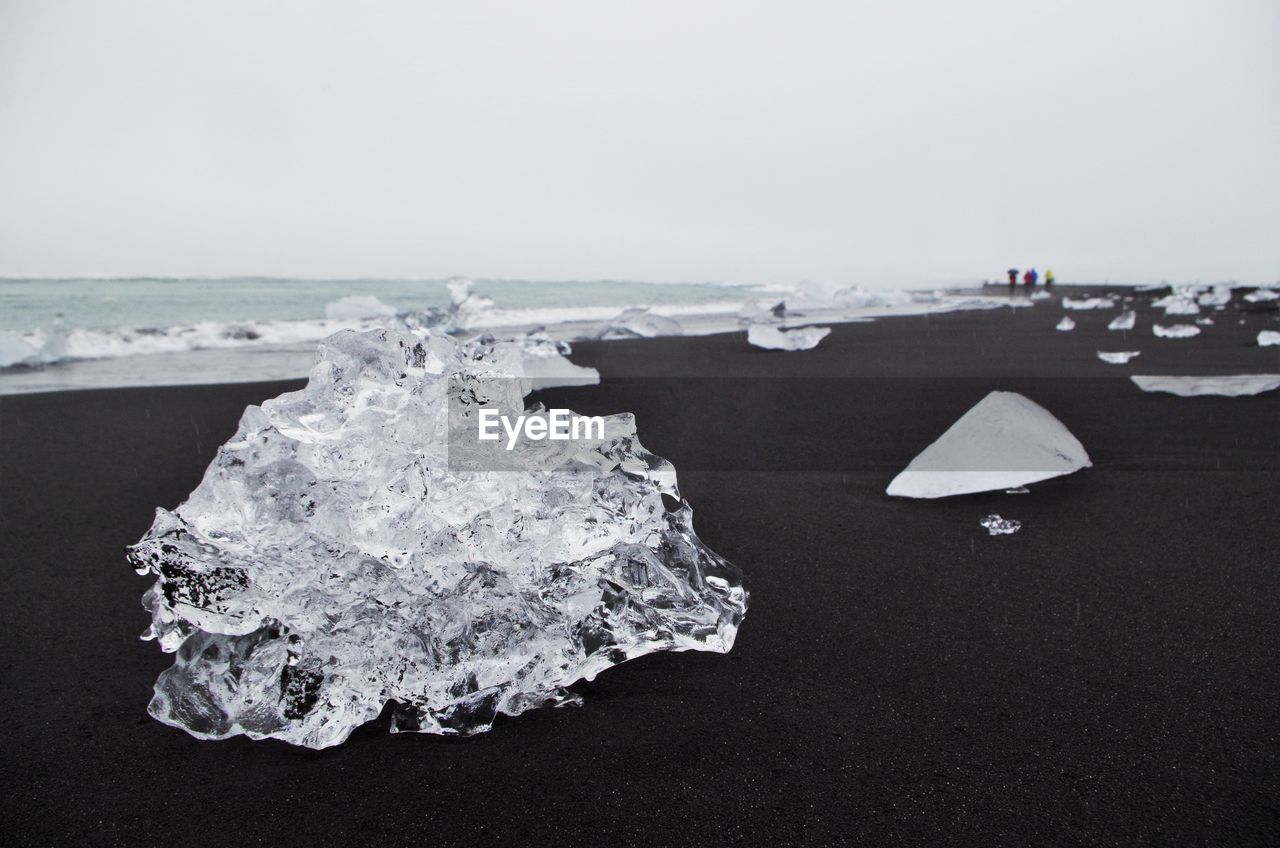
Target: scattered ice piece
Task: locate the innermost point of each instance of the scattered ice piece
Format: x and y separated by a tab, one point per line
546	366
1003	442
762	311
1205	321
1217	296
1021	490
1119	357
1267	338
1040	294
1175	331
357	306
771	337
1235	385
1124	321
639	323
341	553
1088	303
1261	295
1066	324
997	526
1178	304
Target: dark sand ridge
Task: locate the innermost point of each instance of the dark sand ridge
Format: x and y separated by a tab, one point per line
1109	674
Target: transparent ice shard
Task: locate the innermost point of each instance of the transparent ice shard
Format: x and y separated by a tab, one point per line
1066	325
1119	357
638	323
772	337
335	558
545	363
1234	385
1175	331
997	526
1267	338
1124	321
1003	442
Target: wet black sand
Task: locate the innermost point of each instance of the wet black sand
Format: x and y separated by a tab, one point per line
1110	675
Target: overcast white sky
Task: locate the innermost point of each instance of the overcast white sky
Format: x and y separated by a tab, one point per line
872	142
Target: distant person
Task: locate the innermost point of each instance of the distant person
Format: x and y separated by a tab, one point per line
1026	277
1048	276
1013	277
1035	276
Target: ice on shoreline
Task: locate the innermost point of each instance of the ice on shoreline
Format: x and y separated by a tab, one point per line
997	526
1119	357
1267	338
1088	303
773	337
1175	331
1066	325
1234	385
1124	321
339	553
1004	442
639	323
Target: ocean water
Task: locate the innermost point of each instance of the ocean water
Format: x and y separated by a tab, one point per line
33	304
60	334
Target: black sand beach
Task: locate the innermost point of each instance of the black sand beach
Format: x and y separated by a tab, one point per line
1109	675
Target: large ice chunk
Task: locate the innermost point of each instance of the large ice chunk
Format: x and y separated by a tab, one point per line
341	552
772	337
1234	385
1005	441
1267	338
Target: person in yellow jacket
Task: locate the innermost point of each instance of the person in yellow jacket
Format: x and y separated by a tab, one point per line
1048	276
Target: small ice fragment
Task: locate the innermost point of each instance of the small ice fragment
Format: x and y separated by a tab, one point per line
997	526
1124	321
1175	331
1040	295
639	323
357	306
1267	338
1205	322
1177	305
1234	385
1066	324
1119	357
1004	441
1088	303
769	337
1021	490
1262	295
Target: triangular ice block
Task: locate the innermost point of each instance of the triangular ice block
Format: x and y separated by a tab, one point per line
1003	442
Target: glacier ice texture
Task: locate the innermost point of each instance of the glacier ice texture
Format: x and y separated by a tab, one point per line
346	549
997	526
1175	331
1066	325
1005	441
1232	385
1119	357
772	337
1124	321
